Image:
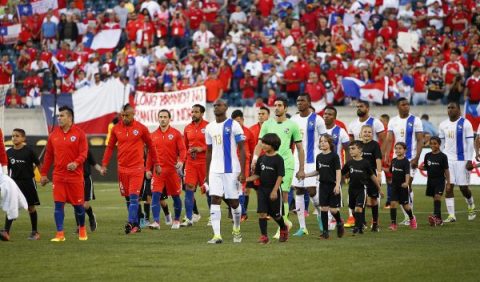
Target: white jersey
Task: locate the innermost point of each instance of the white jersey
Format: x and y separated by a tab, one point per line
404	130
355	127
457	139
340	138
223	137
311	128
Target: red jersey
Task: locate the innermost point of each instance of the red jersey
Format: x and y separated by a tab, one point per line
292	75
131	142
194	135
316	91
419	82
211	16
169	146
473	86
457	66
3	153
62	149
196	17
265	7
5	73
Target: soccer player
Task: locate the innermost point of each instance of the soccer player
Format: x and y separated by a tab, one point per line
400	168
195	170
224	168
406	128
371	153
363	113
359	171
21	162
270	170
329	197
171	151
436	165
130	137
250	142
67	149
456	133
311	127
287	131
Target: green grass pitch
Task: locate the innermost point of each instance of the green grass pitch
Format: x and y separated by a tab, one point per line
444	253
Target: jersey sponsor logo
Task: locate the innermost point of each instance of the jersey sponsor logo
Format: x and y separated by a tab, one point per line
264	167
352	170
14	161
396	169
323	165
430	163
73	138
135	132
170	136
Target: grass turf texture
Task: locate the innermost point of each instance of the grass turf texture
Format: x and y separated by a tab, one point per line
442	253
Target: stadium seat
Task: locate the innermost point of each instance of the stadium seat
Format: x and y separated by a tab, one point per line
111	4
97	141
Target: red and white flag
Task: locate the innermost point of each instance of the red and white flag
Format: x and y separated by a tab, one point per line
106	40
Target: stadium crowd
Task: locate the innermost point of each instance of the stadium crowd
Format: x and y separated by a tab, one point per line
249	52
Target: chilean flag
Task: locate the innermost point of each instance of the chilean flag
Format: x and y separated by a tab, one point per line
106	40
370	92
36	7
10	33
94	106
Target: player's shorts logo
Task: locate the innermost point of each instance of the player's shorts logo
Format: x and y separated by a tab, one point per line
203	130
135	132
73	138
170	136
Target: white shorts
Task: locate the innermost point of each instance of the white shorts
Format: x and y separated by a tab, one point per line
224	185
307	182
459	175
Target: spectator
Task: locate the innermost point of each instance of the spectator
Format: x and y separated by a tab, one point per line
5	70
151	6
472	87
202	37
429	129
14	100
436	89
122	13
214	87
248	85
49	32
81	80
419	85
68	31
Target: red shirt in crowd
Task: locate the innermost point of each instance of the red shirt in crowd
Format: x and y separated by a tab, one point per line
196	16
3	153
169	146
292	77
211	16
473	86
315	90
194	135
265	7
248	85
419	82
5	73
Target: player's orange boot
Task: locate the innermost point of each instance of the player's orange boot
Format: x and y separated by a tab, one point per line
59	237
350	222
82	233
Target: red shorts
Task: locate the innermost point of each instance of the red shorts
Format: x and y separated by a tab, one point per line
168	180
68	191
195	173
130	183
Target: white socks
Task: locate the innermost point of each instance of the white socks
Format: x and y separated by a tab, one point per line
300	205
215	217
450	203
236	214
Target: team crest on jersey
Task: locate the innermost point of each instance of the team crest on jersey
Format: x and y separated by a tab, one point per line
203	130
73	138
286	130
135	132
170	136
410	124
310	123
227	129
460	126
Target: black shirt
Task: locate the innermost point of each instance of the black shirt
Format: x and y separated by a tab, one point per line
269	168
87	171
435	165
359	172
371	153
327	166
399	169
20	163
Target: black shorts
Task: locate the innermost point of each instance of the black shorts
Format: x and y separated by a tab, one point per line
146	190
265	205
327	197
356	198
88	189
372	190
29	190
435	187
400	195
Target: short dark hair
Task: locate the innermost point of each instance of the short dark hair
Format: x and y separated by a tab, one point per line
363	102
165	111
67	109
385	116
21	131
401	100
331	108
436	138
127	107
283	100
272	139
265	109
200	107
357	143
404	146
456	103
424	116
306	95
236	114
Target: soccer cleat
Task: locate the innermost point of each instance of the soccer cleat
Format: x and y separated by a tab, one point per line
283	235
93	223
325	235
450	219
431	220
128	228
355	231
405	222
196	218
350	222
176	224
263	239
82	234
135	229
472	214
59	237
375	228
393	227
34	236
438	221
300	232
332	224
244	218
340	230
144	223
168	219
4	236
186	223
215	240
413	223
154	225
277	234
237	236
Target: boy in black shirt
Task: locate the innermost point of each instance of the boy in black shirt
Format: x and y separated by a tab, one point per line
400	168
330	176
371	153
436	165
360	172
270	170
21	162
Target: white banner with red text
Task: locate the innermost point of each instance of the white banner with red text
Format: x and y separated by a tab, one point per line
178	103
